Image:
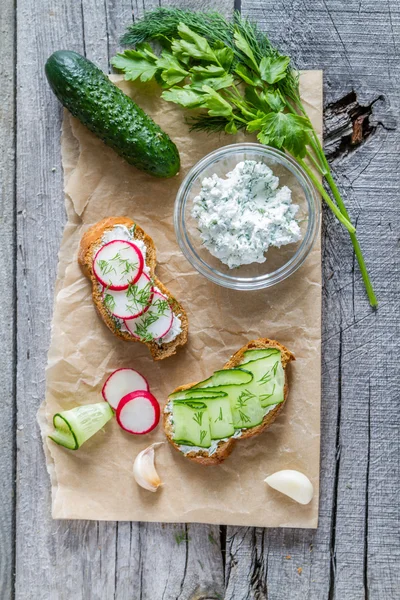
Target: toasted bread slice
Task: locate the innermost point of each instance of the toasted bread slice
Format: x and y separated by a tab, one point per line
224	448
90	243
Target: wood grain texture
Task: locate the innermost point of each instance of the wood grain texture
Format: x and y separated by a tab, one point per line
53	559
353	553
57	559
356	550
7	278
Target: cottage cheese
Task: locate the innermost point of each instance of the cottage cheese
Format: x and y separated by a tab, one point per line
241	216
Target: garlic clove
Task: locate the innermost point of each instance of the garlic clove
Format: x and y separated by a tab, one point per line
294	484
144	470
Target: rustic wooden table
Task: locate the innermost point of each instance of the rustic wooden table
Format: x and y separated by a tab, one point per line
355	553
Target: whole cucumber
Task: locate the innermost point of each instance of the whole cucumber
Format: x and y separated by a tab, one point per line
109	113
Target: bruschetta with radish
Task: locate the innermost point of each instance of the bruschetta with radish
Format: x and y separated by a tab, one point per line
119	258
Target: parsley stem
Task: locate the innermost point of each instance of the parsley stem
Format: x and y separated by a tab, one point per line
315	163
240	119
326	197
356	245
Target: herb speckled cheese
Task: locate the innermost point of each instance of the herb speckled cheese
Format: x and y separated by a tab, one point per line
241	216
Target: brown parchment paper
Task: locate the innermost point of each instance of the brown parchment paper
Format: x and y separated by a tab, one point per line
96	481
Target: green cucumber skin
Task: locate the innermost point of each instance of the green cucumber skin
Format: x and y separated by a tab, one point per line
90	96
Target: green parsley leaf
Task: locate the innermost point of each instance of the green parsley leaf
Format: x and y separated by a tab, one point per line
248	76
212	75
217	105
243	45
256	124
208	71
173	72
230	127
193	45
274	69
274	99
136	64
284	130
187	97
257	100
224	55
146	50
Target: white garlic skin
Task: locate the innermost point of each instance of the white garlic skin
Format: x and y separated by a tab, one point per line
144	470
292	483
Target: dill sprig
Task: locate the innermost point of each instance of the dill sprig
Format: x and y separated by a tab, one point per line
231	71
268	375
203	434
162	24
210	124
138	297
198	417
244	397
106	268
109	302
220	416
142	328
264	397
243	417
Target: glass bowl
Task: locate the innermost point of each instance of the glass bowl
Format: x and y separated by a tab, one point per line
280	262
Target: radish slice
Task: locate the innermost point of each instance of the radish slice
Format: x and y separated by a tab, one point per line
155	323
122	382
118	264
132	302
138	412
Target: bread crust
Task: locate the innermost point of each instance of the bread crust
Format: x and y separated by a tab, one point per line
89	244
225	448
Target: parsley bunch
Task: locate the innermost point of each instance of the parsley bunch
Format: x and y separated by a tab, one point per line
230	72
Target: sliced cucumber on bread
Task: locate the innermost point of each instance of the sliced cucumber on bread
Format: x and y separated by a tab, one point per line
204	420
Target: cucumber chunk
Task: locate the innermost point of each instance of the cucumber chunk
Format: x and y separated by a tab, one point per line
220	414
221	418
191	424
256	353
196	393
74	427
244	404
246	408
224	377
269	379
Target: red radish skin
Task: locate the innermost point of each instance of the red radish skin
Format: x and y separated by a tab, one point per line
121	300
138	413
114	247
122	382
165	320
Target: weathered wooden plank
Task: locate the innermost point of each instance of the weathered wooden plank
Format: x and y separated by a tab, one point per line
359	471
188	559
53	559
81	559
7	274
358	520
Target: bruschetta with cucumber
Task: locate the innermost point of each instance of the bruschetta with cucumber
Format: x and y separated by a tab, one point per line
204	420
119	258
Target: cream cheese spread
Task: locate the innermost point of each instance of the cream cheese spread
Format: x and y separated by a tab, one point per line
241	216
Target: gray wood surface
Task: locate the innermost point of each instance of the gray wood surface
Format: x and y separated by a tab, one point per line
7	285
355	553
